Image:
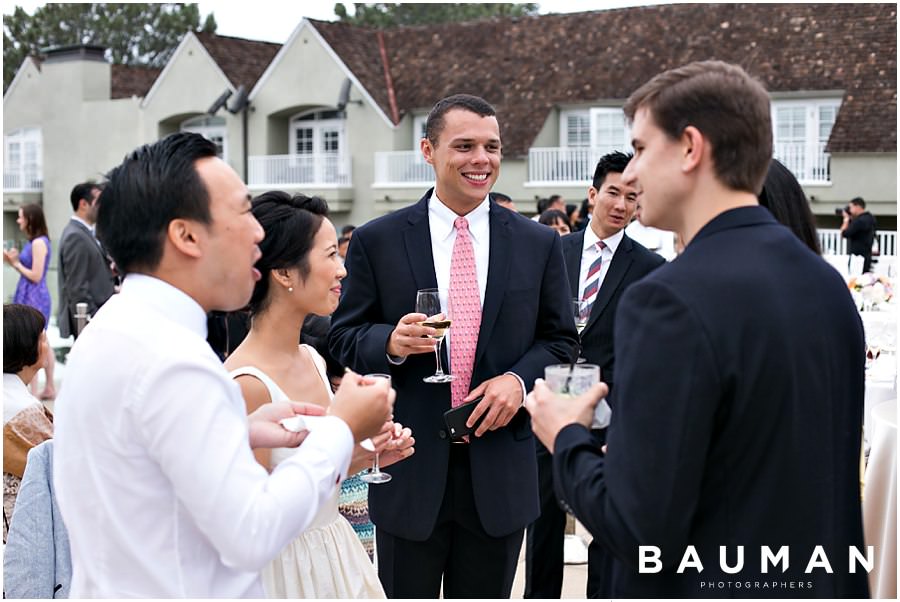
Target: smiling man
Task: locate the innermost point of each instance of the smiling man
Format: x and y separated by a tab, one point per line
455	512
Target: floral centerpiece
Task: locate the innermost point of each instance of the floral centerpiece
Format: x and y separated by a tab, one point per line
869	290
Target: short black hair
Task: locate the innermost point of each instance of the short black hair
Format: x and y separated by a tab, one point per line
22	328
500	197
291	224
858	201
155	184
81	192
435	123
614	162
347	229
551	216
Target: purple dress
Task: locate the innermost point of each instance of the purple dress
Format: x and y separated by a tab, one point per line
34	294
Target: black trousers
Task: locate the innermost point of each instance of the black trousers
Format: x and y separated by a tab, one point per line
546	537
469	562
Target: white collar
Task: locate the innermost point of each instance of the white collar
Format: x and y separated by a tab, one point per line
611	242
81	221
166	299
441	218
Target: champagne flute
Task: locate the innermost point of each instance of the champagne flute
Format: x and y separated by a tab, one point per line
375	474
428	302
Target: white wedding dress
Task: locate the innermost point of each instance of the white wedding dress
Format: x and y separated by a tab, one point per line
327	560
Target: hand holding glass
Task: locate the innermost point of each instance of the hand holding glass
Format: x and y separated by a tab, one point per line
375	475
572	380
428	302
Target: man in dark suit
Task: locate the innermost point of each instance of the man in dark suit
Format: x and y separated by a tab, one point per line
858	227
739	375
84	270
601	262
456	510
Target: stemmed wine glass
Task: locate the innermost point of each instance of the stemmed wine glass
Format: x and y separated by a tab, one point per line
582	312
428	302
375	474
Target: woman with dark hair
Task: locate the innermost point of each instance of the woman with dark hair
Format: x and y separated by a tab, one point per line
26	422
301	275
32	264
783	196
557	220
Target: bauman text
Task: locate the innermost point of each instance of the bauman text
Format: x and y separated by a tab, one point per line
649	559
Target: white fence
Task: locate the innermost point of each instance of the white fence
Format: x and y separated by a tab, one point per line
402	168
833	243
23	180
326	169
808	164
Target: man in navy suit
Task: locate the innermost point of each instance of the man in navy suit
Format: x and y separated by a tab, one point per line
739	375
457	509
601	261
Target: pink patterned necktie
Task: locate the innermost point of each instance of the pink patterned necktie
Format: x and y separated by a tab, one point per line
465	307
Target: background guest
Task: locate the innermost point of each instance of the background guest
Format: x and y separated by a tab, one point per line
858	227
504	200
783	196
26	422
556	220
32	264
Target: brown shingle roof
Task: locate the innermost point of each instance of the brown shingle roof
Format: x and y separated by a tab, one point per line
525	66
242	61
130	80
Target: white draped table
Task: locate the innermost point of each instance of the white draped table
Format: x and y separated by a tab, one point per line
880	500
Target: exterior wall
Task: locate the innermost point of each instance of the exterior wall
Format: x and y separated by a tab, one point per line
307	76
188	86
873	176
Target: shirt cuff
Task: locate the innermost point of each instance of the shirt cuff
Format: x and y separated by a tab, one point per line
395	359
334	437
521	384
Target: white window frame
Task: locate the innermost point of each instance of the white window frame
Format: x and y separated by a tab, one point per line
210	127
28	172
418	131
806	171
623	144
564	126
318	126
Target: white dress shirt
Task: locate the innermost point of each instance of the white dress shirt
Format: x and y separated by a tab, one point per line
589	254
658	241
154	475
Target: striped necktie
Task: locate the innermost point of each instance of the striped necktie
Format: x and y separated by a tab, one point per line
592	280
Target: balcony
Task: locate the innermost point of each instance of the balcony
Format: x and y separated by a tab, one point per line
562	165
326	170
810	165
22	180
402	169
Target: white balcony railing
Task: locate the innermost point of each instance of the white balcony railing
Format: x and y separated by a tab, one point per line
810	165
22	181
562	165
833	243
322	170
402	168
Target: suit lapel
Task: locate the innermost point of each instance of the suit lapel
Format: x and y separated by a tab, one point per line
417	237
572	247
498	269
617	269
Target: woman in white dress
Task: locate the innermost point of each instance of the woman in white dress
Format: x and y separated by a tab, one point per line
301	274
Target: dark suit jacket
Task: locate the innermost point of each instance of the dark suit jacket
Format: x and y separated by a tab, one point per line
631	262
739	388
860	235
84	275
526	324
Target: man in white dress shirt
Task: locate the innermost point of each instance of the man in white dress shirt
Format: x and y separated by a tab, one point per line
154	473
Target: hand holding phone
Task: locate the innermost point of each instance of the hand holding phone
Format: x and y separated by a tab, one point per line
456	418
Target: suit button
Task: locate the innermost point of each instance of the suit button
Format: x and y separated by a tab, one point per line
442	434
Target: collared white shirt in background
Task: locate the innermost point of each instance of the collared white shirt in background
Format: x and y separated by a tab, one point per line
86	225
155	479
589	254
658	241
16	396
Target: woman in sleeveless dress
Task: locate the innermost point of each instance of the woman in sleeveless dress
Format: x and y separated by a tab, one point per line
301	274
32	264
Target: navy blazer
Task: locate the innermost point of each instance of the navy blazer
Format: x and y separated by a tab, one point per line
740	383
526	324
631	262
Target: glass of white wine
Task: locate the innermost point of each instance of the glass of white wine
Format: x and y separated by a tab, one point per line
375	474
428	302
582	313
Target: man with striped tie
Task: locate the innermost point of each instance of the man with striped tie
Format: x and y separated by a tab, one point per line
601	261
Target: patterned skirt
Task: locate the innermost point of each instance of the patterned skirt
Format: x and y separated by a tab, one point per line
354	506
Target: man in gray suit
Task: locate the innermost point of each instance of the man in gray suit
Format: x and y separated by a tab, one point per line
84	271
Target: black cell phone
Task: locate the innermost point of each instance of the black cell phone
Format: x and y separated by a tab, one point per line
456	418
